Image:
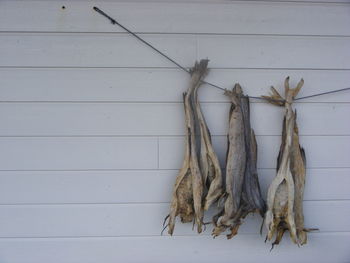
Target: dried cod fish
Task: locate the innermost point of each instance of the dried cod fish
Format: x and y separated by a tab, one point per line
199	182
285	194
243	195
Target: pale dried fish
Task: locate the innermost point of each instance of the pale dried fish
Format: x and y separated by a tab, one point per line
199	182
285	194
243	195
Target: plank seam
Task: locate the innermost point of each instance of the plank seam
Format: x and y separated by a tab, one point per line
142	169
152	236
170	68
138	203
174	33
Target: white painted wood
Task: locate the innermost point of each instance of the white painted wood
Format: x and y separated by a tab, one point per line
234	17
320	151
61	187
57	119
91	134
249	248
121	50
157	85
80	153
275	52
80	50
74	153
205	1
139	219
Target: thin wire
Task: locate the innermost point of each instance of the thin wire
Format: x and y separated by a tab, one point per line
114	22
323	93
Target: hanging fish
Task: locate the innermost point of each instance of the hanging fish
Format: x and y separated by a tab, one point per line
199	182
242	195
285	194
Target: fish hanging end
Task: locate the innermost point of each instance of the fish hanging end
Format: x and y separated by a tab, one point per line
201	67
299	86
275	98
236	90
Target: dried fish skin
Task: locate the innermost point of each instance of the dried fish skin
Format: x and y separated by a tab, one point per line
208	160
281	193
235	163
199	182
251	187
298	168
285	194
242	195
182	200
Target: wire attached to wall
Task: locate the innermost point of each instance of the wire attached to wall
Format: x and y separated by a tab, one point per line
115	22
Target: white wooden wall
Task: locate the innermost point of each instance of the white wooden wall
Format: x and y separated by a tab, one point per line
91	124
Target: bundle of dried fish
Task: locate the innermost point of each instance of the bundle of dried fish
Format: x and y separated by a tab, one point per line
243	195
285	194
199	182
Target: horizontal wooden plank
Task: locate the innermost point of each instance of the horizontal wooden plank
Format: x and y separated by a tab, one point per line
80	153
79	50
63	187
157	85
25	153
57	119
320	151
229	17
139	219
275	52
202	1
93	50
320	248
